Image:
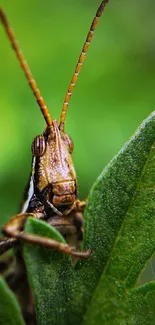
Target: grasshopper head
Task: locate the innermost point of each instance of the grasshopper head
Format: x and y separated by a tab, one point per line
54	170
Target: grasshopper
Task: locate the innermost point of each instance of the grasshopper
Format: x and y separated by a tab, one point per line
51	193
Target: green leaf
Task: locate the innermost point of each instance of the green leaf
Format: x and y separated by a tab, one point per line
120	228
10	313
141	305
47	270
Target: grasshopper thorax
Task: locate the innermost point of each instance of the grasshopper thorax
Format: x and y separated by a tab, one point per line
53	170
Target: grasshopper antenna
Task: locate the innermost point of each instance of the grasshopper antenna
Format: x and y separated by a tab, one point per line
80	62
25	68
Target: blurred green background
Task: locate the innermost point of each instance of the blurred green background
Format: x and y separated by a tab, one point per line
114	93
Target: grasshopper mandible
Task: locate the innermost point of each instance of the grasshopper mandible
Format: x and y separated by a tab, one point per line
52	189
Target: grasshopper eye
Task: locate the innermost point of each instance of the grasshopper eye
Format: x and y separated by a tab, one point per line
38	146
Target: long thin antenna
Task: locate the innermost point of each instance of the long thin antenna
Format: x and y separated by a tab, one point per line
26	68
80	62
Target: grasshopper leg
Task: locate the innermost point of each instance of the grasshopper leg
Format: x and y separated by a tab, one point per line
14	228
80	205
6	244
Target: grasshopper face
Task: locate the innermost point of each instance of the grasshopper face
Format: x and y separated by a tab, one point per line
53	170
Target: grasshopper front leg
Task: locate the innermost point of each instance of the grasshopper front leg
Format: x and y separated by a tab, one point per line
78	206
14	228
7	243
